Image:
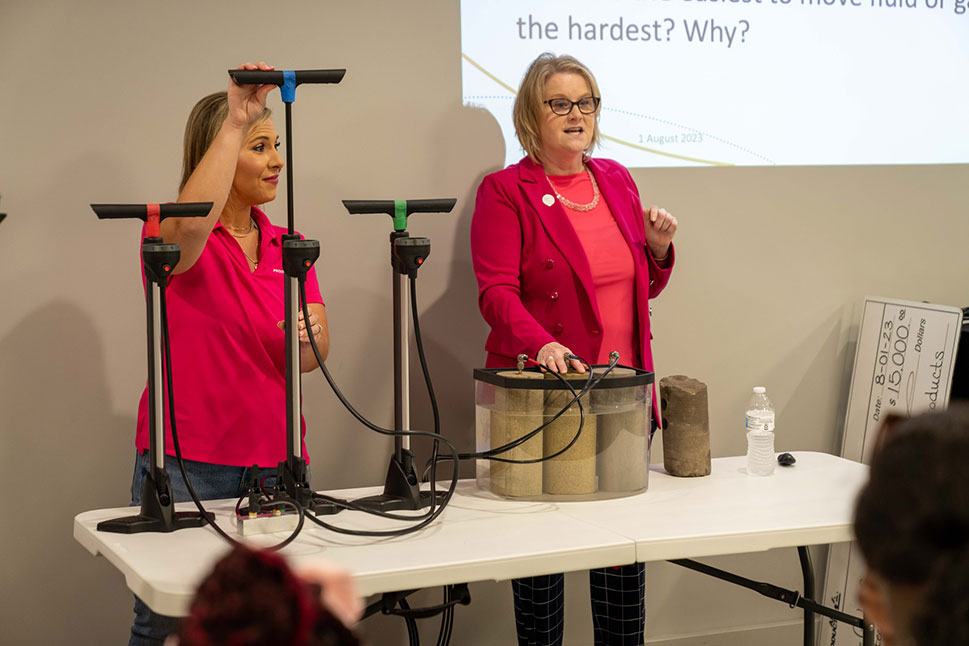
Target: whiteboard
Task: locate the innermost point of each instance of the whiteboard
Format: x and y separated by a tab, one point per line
903	364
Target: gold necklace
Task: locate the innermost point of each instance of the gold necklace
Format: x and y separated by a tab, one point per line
255	263
572	205
252	226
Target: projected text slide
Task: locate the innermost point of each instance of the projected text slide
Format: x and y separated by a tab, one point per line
741	82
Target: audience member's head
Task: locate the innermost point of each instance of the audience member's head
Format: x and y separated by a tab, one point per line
912	520
944	617
253	598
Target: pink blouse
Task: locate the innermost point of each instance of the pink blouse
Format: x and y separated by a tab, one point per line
228	354
611	262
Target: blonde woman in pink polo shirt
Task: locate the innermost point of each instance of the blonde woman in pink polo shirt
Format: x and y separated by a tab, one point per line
225	305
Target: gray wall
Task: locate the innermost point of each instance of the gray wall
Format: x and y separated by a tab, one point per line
773	264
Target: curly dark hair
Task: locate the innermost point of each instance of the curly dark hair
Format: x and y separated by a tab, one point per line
914	510
944	619
252	598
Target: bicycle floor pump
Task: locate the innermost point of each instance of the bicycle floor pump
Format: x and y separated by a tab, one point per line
157	502
298	257
407	254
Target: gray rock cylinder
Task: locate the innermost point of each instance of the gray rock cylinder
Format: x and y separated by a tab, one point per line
686	426
622	451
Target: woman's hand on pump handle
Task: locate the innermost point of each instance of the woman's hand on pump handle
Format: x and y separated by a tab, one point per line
554	358
247	102
212	177
660	229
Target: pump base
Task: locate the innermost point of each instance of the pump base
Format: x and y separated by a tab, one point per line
157	513
402	490
291	482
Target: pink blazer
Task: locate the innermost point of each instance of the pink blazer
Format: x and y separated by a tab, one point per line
534	281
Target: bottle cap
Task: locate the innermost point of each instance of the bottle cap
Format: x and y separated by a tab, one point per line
760	390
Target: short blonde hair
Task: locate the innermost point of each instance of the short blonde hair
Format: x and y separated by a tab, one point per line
203	125
529	102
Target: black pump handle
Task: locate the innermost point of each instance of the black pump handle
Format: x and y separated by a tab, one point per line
275	77
358	207
140	211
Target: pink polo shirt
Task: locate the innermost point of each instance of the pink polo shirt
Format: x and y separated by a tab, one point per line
228	354
611	262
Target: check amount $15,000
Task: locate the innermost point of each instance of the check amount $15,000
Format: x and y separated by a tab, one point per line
898	375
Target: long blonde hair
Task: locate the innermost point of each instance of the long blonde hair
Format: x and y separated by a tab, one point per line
203	124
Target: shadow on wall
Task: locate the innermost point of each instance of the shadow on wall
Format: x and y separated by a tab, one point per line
68	452
452	328
848	355
821	357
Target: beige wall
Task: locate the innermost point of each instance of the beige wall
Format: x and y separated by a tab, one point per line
772	266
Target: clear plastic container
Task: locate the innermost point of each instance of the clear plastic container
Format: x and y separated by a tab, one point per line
609	458
760	434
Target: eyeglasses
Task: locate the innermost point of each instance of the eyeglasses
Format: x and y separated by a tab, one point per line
562	107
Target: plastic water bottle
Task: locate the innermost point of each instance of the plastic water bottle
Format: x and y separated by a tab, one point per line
760	434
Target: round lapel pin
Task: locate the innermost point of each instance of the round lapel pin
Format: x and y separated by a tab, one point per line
548	200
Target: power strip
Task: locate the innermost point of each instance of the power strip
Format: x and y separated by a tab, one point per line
270	522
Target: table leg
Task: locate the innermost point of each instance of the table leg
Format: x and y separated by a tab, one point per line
807	570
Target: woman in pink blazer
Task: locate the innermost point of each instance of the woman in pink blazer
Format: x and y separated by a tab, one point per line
567	259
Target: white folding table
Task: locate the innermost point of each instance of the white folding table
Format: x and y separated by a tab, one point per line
483	537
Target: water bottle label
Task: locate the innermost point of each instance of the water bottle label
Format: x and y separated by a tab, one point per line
757	421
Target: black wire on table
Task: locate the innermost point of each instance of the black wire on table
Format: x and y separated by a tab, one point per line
576	399
491	454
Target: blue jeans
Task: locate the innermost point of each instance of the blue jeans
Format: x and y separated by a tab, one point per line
211	482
